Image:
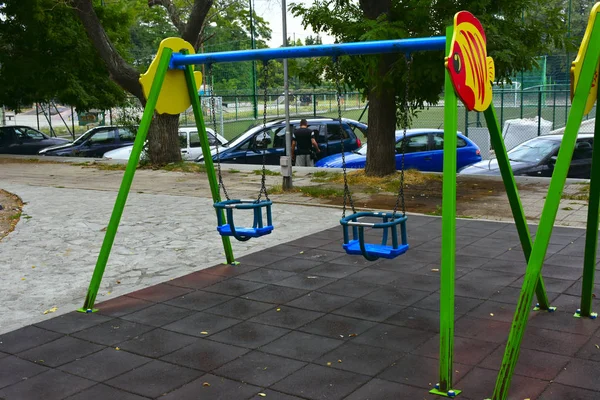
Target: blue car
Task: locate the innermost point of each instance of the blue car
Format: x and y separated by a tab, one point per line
423	152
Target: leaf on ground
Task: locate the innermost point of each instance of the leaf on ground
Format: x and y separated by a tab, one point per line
51	310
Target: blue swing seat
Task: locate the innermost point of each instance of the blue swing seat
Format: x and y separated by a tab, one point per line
390	222
226	226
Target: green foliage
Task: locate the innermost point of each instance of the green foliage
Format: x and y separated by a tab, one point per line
45	55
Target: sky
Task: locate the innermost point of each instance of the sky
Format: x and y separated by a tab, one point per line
270	10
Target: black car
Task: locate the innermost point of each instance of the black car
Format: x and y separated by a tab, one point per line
537	157
25	140
94	143
269	140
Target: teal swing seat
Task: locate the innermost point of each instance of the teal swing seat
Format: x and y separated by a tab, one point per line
355	244
227	227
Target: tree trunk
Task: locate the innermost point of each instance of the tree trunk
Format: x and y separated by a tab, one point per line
382	126
163	140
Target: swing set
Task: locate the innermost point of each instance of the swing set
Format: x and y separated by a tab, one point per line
170	86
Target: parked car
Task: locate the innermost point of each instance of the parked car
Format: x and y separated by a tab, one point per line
249	146
20	139
188	141
94	143
537	157
423	151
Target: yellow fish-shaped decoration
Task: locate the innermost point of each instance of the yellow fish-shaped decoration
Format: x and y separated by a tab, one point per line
578	63
174	97
471	70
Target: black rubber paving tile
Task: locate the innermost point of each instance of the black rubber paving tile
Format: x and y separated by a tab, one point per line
423	282
228	270
496	311
416	318
214	388
121	306
556	391
105	364
575	289
26	338
568	303
419	371
483	329
234	287
199	300
338	327
479	384
504	265
569	261
305	281
39	387
498	277
15	370
113	332
249	335
565	322
275	294
309	241
201	324
562	343
158	315
301	346
160	293
104	392
157	343
396	339
154	379
286	249
60	351
531	363
379	389
555	285
293	264
205	355
287	317
591	350
346	287
240	308
271	394
261	258
369	310
196	280
477	289
73	322
2	355
581	373
462	304
318	301
466	350
394	294
335	271
259	368
348	260
362	359
316	382
375	276
266	275
318	255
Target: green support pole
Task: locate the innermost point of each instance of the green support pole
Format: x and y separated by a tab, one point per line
208	162
540	246
447	270
513	197
591	237
134	158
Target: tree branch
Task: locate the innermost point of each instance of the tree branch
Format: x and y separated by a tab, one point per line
120	71
196	21
173	12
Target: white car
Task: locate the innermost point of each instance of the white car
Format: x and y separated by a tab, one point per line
188	141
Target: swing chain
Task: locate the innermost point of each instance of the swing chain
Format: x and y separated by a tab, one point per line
338	89
263	186
214	124
406	110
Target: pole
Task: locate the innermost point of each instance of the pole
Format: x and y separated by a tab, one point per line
287	177
134	158
253	46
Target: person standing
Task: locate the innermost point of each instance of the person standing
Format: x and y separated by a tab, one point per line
304	139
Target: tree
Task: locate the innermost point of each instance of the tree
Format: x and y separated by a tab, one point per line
516	30
43	58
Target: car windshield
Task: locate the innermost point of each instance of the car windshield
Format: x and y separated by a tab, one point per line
534	150
85	136
362	150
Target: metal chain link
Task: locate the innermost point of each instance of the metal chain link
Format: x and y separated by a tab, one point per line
263	186
214	124
338	88
406	111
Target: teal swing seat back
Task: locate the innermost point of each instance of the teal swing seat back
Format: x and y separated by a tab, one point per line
354	243
226	225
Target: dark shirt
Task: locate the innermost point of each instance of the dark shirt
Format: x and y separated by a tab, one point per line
303	137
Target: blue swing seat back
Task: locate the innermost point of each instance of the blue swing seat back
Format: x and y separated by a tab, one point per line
226	225
356	245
